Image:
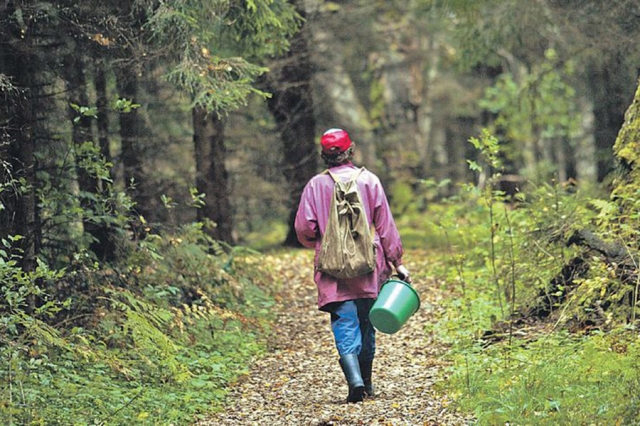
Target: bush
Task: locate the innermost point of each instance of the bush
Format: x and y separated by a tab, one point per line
577	364
156	339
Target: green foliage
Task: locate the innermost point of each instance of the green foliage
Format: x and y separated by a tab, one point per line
124	105
155	336
268	236
403	197
626	190
503	373
66	211
556	379
263	28
20	287
84	111
222	85
537	106
214	42
499	258
498	266
489	149
155	341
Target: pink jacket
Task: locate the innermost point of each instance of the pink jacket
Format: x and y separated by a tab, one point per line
311	221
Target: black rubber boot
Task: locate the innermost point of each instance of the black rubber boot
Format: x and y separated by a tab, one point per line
365	370
351	370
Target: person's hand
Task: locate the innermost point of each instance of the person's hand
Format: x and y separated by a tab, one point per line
403	273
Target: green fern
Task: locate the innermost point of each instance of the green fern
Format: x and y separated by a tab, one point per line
146	325
606	209
42	332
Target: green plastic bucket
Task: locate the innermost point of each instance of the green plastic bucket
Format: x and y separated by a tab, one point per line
396	303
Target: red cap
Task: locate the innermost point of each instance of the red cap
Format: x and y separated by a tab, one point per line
335	141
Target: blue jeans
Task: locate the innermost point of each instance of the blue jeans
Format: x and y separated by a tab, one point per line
352	330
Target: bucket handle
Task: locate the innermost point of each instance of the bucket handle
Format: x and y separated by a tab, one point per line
401	278
406	283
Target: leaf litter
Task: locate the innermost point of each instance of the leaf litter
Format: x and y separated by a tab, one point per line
299	380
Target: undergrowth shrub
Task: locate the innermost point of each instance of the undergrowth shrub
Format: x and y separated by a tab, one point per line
509	368
573	361
154	340
499	254
556	379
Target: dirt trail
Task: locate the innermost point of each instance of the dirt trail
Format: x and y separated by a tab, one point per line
299	382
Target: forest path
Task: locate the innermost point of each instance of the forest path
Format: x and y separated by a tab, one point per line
299	382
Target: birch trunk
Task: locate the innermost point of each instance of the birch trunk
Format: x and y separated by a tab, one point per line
585	145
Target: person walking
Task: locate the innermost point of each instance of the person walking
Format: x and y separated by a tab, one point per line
349	300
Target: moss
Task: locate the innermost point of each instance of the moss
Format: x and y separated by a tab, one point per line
627	144
377	102
627	151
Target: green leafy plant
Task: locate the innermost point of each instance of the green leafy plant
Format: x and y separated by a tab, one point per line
156	341
535	106
556	379
84	111
510	365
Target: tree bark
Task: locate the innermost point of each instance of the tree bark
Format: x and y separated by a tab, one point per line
20	216
337	103
103	111
585	149
607	82
627	153
291	104
212	178
132	133
425	106
105	246
76	84
74	72
457	148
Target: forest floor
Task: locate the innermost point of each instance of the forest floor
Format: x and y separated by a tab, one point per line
299	380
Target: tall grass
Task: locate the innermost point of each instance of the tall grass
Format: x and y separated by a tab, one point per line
497	258
556	379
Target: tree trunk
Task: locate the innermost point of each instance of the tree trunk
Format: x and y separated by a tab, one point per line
76	84
425	109
585	149
212	178
559	152
607	83
105	245
132	134
458	148
20	216
627	152
102	102
337	103
291	104
74	72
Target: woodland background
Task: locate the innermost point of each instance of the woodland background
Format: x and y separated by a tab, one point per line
151	150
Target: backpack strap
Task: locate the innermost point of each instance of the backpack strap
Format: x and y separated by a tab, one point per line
354	177
357	174
331	174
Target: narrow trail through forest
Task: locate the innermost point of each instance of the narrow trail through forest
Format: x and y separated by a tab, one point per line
299	382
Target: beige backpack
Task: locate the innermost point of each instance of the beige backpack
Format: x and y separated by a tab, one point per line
347	244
